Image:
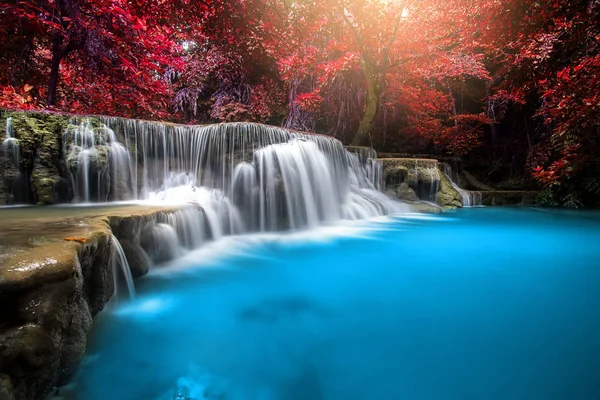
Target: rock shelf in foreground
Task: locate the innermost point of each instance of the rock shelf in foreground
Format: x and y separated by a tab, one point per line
51	288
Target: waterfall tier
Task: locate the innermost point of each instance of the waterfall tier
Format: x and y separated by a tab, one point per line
10	143
245	177
428	180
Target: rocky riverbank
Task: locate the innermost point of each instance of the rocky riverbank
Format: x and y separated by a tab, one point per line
51	288
434	181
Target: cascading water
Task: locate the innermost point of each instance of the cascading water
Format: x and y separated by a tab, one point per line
101	167
121	266
11	144
236	178
366	158
171	235
469	198
245	177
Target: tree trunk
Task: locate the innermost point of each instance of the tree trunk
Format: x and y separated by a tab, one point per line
57	56
491	115
372	106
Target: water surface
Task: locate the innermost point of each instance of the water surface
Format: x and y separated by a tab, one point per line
478	304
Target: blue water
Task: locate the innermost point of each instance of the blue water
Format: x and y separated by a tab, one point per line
482	304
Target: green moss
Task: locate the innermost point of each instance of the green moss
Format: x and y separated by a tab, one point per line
39	135
43	183
40	141
411	170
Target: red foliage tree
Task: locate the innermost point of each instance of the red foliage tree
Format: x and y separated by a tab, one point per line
367	59
548	53
110	59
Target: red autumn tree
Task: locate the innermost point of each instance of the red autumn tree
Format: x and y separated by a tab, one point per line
227	73
548	56
364	60
110	59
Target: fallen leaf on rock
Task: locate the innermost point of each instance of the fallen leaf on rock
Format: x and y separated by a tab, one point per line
78	240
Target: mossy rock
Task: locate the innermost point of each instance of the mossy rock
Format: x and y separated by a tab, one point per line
8	175
403	192
421	175
6	389
48	187
99	131
448	197
99	158
38	131
40	157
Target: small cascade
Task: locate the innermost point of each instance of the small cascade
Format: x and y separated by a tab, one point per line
172	235
234	178
121	266
11	144
366	157
469	198
374	170
296	185
101	167
161	243
477	198
424	177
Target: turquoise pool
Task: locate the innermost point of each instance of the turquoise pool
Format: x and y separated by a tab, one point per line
481	304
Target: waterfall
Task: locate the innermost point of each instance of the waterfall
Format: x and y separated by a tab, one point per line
366	158
101	167
245	177
11	144
234	178
469	198
120	264
477	198
424	178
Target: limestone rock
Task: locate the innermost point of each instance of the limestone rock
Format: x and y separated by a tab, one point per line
426	207
138	260
39	136
405	192
448	197
48	304
421	175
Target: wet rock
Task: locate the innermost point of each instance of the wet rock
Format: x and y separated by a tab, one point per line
448	197
426	207
6	389
405	192
138	260
8	176
421	175
49	295
44	172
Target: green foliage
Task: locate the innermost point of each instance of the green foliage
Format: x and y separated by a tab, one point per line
572	200
591	186
546	198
